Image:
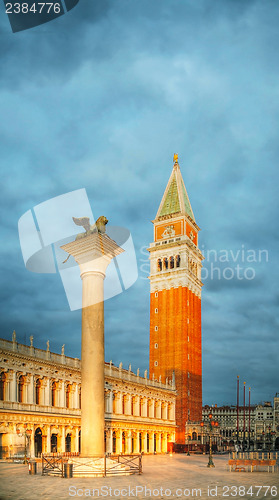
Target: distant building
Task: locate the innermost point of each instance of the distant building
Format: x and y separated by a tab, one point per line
40	396
257	429
175	301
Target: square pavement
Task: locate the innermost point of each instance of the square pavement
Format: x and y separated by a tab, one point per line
164	476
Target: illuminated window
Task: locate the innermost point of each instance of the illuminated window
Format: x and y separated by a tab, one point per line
20	389
177	261
38	391
53	393
159	265
2	386
68	390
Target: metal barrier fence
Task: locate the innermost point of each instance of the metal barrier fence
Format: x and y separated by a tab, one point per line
112	465
257	455
53	465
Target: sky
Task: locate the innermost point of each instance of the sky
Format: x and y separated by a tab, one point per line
101	98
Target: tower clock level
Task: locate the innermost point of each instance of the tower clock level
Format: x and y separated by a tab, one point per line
175	301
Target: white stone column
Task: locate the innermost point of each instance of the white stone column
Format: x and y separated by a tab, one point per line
48	438
128	404
158	410
30	388
93	253
144	442
136	442
12	386
111	402
47	398
118	406
76	440
151	408
109	441
151	442
62	395
62	437
158	442
164	442
32	441
136	406
76	396
118	442
106	401
129	442
164	411
144	408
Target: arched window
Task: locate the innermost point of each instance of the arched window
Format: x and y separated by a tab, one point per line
171	263
2	386
123	404
53	394
38	442
38	391
194	436
68	443
20	389
53	443
79	397
177	261
68	390
114	403
114	442
166	263
123	442
159	265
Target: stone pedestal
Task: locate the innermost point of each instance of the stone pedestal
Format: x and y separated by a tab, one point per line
93	254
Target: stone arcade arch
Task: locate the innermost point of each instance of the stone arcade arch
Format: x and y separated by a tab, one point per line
38	442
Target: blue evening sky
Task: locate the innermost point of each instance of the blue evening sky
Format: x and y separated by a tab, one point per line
100	99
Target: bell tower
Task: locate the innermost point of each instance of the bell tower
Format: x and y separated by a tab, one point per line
175	301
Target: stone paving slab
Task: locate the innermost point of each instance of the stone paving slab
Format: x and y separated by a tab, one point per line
164	476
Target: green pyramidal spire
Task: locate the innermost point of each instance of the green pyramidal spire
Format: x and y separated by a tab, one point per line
175	199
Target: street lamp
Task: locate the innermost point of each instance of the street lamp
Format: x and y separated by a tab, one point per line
212	423
188	453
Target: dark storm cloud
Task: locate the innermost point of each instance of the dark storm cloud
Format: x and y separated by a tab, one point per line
101	98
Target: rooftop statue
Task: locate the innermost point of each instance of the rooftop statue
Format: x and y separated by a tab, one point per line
98	227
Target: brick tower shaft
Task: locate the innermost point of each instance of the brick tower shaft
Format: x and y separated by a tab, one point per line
175	301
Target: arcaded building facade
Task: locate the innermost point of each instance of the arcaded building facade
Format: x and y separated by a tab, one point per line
40	398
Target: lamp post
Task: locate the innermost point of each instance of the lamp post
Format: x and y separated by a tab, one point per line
273	434
263	435
212	423
188	453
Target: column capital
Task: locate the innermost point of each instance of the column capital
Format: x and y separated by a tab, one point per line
93	253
